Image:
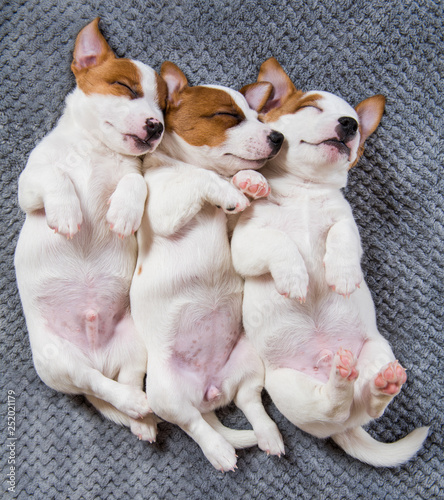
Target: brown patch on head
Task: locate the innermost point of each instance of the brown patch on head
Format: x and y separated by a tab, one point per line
203	115
292	104
119	77
98	71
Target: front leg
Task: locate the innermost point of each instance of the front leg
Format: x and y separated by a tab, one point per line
177	193
260	250
127	205
342	258
46	186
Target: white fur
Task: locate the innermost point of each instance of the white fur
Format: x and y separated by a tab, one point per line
305	299
84	183
186	298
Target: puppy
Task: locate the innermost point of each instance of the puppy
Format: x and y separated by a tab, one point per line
84	197
186	298
306	307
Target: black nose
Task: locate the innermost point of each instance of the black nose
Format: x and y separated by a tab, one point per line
347	128
275	139
153	129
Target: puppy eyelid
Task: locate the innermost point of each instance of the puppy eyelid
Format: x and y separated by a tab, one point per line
133	92
226	113
310	106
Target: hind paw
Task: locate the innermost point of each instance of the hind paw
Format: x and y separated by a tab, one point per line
145	429
346	364
390	379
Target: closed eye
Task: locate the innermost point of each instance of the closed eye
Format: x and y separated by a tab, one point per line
226	113
310	106
133	92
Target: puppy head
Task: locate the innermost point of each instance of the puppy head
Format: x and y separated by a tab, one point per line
324	135
121	100
215	127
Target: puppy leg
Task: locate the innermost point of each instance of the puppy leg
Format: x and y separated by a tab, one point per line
310	404
218	450
249	400
189	187
127	205
342	259
258	251
48	187
382	376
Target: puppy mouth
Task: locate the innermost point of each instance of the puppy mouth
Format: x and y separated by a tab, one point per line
341	146
143	144
258	161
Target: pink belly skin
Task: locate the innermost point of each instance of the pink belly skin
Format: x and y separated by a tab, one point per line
315	357
85	312
204	343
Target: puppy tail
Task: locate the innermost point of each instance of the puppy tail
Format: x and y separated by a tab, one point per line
359	444
237	438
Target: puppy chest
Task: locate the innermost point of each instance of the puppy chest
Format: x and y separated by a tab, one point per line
307	221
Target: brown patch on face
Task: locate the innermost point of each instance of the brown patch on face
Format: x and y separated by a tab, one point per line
162	92
203	115
292	104
119	77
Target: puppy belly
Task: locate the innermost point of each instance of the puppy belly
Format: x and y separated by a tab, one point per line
204	344
315	358
306	337
84	311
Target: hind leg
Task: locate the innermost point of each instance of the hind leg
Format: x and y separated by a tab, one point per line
311	405
381	376
64	367
249	399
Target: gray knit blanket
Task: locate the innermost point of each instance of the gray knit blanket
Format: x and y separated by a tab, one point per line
56	446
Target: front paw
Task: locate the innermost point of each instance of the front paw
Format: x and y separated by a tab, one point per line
251	183
342	276
124	214
64	215
291	281
231	200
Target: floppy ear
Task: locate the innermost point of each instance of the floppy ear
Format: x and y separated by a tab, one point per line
370	113
175	80
91	49
257	94
271	71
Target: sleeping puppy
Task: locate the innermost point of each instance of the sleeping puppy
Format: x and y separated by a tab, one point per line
186	298
306	307
84	196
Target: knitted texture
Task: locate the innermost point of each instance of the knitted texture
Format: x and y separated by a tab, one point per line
354	48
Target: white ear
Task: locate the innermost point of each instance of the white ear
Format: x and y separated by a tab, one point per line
91	48
257	94
175	80
370	113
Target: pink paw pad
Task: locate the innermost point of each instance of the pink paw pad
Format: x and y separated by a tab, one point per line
347	368
390	379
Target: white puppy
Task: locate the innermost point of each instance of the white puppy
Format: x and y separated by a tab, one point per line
306	307
84	196
186	298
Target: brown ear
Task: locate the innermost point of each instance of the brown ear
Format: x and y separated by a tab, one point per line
370	113
91	48
257	94
175	80
271	71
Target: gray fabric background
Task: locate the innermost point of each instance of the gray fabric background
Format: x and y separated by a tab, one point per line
354	48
